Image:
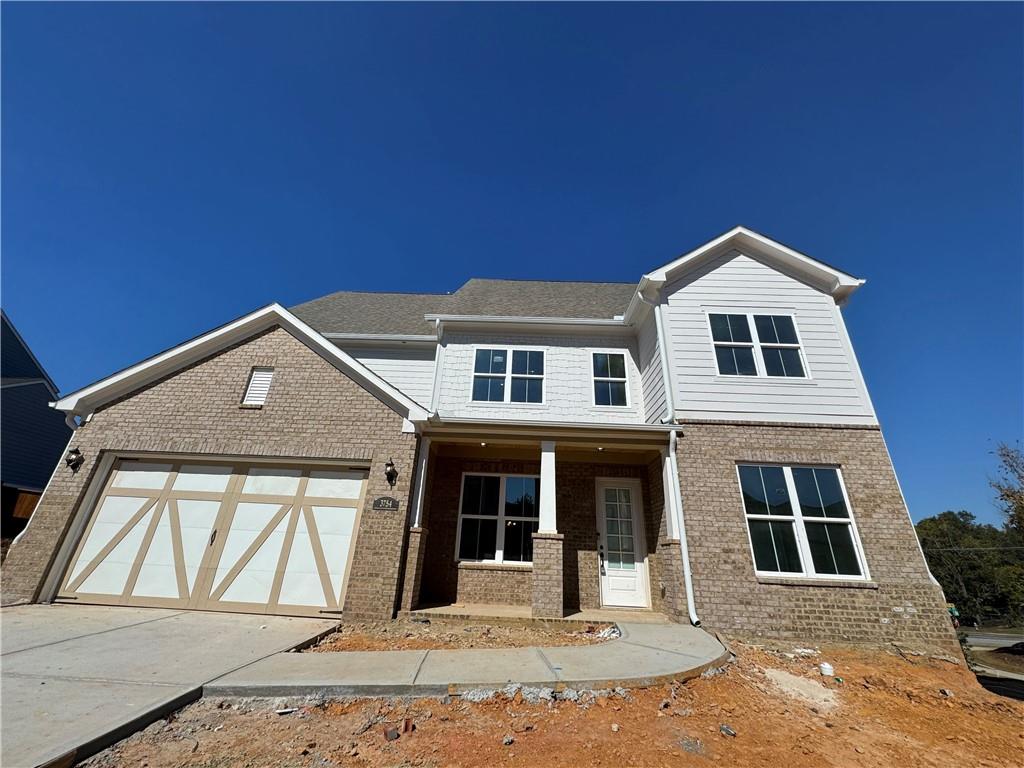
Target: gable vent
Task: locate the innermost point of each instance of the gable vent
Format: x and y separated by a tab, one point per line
259	386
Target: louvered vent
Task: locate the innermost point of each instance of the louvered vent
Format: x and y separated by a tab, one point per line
259	386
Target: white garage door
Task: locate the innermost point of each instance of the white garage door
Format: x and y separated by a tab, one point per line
255	538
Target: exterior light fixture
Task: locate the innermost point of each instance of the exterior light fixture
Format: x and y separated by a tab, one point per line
74	459
600	447
391	472
483	445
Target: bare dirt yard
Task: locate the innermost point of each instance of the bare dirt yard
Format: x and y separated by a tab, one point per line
768	709
412	635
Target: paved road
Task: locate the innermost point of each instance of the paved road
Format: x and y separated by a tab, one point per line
76	678
982	639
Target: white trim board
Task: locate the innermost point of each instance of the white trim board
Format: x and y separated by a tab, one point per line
86	400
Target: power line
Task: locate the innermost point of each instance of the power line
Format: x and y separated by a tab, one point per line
969	549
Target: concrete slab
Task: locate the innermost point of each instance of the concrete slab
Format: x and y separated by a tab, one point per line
485	667
363	673
76	677
678	638
31	626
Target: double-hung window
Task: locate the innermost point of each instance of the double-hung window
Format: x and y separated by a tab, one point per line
799	522
610	379
756	345
495	381
498	516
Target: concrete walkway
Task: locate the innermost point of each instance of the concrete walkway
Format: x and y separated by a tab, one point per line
76	678
646	654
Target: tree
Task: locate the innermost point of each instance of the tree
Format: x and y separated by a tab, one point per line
1009	486
980	567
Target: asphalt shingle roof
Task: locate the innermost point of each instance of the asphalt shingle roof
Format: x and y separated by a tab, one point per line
402	313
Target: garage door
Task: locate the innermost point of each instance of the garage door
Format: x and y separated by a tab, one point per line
254	538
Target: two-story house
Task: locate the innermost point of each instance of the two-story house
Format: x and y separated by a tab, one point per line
700	443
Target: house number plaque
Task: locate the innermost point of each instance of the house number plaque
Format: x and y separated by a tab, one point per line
386	504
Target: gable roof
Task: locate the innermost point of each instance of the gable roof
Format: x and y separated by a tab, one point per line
17	359
87	399
356	312
838	283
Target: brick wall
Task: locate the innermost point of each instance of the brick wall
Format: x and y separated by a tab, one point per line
444	581
313	411
900	604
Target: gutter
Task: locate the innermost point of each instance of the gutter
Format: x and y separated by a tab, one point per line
437	420
613	322
684	548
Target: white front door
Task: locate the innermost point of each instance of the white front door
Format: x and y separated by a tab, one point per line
621	545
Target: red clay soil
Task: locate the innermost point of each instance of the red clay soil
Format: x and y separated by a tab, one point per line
888	711
409	635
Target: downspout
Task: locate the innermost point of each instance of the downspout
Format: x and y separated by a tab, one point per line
438	367
677	498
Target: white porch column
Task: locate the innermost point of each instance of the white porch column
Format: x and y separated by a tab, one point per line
421	483
667	481
547	488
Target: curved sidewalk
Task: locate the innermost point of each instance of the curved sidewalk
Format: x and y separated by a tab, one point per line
646	654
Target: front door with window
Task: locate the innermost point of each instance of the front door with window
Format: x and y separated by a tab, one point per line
621	545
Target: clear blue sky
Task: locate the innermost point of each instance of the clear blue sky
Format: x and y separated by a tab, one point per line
168	167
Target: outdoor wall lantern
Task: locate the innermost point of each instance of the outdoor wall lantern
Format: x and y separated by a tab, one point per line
391	472
74	459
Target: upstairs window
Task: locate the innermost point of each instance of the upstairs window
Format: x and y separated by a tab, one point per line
756	345
734	347
258	388
610	379
495	381
815	536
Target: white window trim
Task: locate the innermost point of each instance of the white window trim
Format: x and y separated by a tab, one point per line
757	344
501	518
594	379
509	351
797	520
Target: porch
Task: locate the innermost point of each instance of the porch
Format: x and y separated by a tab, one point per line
564	524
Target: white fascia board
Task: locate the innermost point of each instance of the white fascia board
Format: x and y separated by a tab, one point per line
442	422
511	320
397	338
32	355
87	399
838	283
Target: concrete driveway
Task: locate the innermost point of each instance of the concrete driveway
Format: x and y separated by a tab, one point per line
76	678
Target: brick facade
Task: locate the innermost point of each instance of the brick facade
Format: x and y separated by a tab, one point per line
546	598
898	604
313	412
445	581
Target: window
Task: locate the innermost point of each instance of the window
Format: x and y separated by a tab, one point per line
815	537
610	379
258	387
498	517
734	349
494	381
773	348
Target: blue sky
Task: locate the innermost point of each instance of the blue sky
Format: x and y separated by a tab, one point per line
168	167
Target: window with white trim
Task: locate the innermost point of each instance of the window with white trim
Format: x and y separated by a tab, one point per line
770	349
815	537
258	388
498	516
610	379
495	381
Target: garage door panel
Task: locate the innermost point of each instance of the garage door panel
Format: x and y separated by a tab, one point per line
218	536
109	573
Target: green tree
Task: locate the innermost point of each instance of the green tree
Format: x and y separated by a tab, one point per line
1009	486
980	567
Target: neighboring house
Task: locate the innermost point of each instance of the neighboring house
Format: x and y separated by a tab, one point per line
700	443
32	434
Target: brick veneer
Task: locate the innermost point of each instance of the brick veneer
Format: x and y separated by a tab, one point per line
445	581
546	598
900	604
313	412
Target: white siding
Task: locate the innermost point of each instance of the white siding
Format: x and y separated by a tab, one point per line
834	391
410	369
651	377
568	379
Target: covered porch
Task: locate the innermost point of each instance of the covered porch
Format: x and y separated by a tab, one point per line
543	523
